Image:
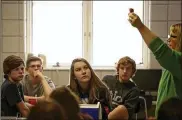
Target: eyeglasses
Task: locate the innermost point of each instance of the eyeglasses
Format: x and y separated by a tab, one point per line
33	66
172	36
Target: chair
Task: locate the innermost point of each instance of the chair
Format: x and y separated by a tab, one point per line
142	101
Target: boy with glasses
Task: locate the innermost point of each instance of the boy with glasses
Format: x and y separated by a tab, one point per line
36	86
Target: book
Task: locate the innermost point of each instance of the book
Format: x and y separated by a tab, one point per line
93	110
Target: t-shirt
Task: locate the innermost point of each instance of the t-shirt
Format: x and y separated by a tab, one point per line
11	94
34	90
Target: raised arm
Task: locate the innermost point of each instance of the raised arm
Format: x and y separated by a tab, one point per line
146	34
164	55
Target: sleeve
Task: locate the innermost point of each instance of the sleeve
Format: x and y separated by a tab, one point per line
167	58
51	84
131	100
104	79
108	80
13	95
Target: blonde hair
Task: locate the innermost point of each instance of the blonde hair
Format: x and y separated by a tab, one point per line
175	29
70	102
95	83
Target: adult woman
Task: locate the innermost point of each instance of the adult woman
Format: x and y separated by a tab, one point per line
168	55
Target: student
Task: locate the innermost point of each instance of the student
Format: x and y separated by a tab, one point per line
168	55
124	92
90	89
47	110
35	84
12	97
70	102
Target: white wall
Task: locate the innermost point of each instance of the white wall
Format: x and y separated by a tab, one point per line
13	17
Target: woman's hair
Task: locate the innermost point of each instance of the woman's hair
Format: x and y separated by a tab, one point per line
47	110
175	29
68	100
95	83
170	109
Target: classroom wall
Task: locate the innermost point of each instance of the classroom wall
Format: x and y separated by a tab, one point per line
13	35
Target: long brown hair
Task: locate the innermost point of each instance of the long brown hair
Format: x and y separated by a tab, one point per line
47	110
95	83
70	102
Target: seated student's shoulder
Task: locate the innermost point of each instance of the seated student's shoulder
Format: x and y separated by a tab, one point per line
48	79
7	83
8	87
109	78
26	79
133	85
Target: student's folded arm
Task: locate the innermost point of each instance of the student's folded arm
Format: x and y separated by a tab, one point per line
132	100
167	58
24	110
46	87
29	105
119	113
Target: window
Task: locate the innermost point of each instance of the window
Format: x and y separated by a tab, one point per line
57	30
96	30
113	37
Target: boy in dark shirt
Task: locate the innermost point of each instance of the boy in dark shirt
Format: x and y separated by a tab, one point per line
12	100
124	92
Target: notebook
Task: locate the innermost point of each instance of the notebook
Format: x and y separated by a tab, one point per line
93	110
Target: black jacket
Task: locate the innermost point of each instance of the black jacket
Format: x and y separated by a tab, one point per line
126	94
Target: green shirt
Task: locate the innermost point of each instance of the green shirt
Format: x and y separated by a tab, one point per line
171	80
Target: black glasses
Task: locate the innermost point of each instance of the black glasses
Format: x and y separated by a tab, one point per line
172	36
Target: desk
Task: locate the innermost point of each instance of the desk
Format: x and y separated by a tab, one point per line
11	118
